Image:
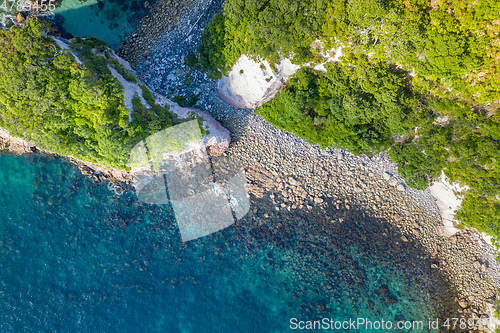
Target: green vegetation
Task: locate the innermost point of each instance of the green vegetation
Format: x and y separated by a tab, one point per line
424	73
184	102
122	71
357	108
147	95
66	108
191	60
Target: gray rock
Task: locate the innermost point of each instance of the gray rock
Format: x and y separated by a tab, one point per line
463	303
393	181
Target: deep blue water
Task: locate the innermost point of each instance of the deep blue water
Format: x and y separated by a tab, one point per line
77	257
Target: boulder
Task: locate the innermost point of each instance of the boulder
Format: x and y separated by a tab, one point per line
20	17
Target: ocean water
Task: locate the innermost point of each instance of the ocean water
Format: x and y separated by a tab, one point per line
76	256
110	20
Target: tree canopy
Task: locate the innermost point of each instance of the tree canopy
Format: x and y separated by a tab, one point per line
47	98
425	72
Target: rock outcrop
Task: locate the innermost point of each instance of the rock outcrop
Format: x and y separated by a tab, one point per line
20	17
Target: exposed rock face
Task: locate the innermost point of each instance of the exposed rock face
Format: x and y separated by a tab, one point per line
16	145
20	18
19	146
219	135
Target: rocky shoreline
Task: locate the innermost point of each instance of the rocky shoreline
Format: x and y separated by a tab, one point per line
297	176
17	146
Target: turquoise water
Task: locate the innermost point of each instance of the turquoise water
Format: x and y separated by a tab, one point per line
77	257
110	20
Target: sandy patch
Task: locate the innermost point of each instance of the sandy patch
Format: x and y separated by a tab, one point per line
65	46
219	137
250	84
448	201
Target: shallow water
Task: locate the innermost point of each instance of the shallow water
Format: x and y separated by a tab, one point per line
77	257
110	20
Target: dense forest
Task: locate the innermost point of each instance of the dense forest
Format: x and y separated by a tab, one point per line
424	73
71	109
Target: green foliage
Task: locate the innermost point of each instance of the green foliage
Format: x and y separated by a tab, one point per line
446	113
147	95
122	71
193	116
63	107
356	108
89	43
184	102
212	44
453	46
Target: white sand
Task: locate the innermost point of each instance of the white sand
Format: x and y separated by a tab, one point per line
250	84
448	201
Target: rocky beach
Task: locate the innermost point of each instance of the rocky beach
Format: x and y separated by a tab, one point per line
296	176
292	181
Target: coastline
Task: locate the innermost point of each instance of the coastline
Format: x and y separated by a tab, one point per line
293	174
296	175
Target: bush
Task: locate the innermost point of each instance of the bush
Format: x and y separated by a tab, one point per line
66	108
355	109
123	72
